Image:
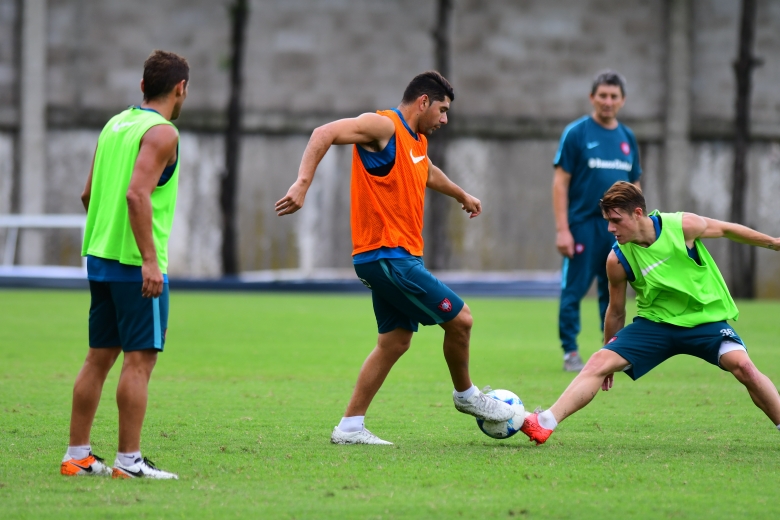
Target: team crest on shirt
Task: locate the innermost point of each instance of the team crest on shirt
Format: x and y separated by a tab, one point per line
445	305
626	149
579	248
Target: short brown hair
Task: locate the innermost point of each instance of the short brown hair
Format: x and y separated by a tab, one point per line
162	71
431	83
623	195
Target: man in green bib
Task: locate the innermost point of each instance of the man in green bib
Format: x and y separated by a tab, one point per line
130	199
682	305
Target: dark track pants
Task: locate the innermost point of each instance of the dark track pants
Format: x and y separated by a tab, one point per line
592	246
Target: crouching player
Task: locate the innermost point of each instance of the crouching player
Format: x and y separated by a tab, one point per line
682	305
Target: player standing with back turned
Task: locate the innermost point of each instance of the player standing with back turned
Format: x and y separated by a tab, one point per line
595	151
390	171
130	199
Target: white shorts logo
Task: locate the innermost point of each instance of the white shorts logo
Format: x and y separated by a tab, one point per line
728	332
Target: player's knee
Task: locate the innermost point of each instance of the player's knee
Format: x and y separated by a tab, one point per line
140	360
600	364
745	371
102	360
464	320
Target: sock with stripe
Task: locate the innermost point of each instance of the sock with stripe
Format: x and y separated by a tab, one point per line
464	395
79	452
128	459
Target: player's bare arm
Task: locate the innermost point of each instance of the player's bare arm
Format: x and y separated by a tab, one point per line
564	240
371	131
695	226
85	195
438	181
615	318
158	150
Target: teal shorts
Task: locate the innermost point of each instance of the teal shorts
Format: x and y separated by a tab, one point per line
405	294
120	317
646	344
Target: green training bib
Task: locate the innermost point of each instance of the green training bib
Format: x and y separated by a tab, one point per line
670	286
108	233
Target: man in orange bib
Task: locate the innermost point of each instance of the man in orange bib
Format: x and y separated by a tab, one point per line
390	171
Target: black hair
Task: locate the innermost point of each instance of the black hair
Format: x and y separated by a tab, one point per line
162	71
609	77
431	83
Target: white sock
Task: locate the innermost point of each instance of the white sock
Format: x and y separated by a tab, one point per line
128	459
464	395
547	420
567	355
352	424
79	452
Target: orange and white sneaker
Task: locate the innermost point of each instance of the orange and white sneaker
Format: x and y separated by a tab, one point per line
90	466
535	431
141	469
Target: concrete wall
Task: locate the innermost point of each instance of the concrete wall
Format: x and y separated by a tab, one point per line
521	71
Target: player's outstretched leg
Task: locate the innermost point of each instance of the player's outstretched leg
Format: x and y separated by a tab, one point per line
131	398
79	459
596	374
759	386
467	397
389	348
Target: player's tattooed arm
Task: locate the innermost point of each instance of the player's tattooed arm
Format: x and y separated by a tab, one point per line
371	131
438	181
695	226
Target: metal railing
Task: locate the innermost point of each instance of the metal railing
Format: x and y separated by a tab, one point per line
16	222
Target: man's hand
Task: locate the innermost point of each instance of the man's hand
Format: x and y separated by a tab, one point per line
293	201
607	384
471	205
775	245
564	241
153	280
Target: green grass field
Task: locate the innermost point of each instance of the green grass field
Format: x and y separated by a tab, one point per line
250	385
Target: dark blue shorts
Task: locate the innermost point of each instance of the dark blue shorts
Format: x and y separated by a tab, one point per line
120	317
646	344
406	294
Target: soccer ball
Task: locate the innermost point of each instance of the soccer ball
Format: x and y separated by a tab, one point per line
505	429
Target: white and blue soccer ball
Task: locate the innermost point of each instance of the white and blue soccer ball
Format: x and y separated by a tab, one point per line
504	429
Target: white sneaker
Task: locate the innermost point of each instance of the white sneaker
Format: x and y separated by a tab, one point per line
91	466
140	469
483	407
362	437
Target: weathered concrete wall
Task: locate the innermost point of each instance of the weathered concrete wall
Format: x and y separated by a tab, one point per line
715	36
508	55
521	70
8	61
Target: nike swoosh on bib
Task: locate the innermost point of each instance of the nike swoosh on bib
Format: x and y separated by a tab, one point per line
594	144
415	160
119	126
653	266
